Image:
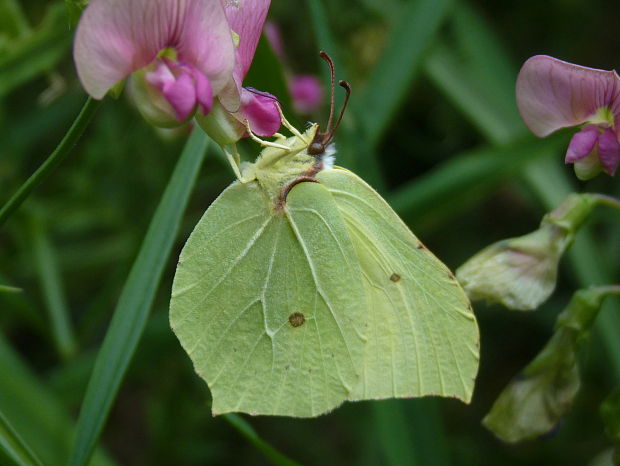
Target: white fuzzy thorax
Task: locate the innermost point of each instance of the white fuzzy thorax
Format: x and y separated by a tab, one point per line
329	157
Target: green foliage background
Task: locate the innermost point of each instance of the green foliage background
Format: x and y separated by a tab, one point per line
432	125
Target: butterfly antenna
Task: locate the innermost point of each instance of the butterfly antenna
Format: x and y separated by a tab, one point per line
347	88
332	70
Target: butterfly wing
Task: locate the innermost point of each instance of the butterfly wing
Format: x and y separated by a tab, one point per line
422	334
269	305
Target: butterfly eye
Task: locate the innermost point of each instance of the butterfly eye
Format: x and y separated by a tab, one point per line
316	148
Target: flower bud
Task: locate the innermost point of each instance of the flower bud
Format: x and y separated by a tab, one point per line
520	273
536	400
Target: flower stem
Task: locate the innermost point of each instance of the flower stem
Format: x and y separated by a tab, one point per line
59	154
606	200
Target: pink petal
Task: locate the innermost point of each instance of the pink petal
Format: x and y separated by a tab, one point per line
204	91
117	37
609	151
246	18
261	111
582	144
182	96
553	94
307	93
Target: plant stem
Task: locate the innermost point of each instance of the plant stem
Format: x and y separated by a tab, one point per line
607	200
59	154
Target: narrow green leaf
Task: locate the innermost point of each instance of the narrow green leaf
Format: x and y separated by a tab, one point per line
466	178
394	433
9	289
59	154
325	39
470	95
395	71
135	302
411	433
34	412
245	429
13	450
53	291
37	53
13	21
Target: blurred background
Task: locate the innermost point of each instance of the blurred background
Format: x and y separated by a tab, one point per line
432	126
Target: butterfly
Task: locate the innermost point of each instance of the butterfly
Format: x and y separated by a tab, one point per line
300	288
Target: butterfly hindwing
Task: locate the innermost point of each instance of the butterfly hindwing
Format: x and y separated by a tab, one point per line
422	334
269	304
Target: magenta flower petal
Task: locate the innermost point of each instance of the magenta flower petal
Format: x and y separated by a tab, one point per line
246	18
609	151
261	111
117	37
553	94
307	93
181	94
204	91
582	144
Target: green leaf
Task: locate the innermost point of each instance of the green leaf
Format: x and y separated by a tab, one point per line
36	54
13	22
9	289
245	429
610	412
136	299
13	450
53	291
33	411
53	161
394	73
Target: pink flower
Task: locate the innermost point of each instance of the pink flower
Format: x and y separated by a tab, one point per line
183	56
182	51
306	91
553	94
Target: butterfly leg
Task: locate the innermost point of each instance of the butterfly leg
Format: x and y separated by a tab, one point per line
233	160
291	128
262	142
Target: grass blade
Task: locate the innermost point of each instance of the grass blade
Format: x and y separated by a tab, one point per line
464	179
59	154
135	302
245	429
13	450
53	291
34	412
399	63
37	53
9	289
